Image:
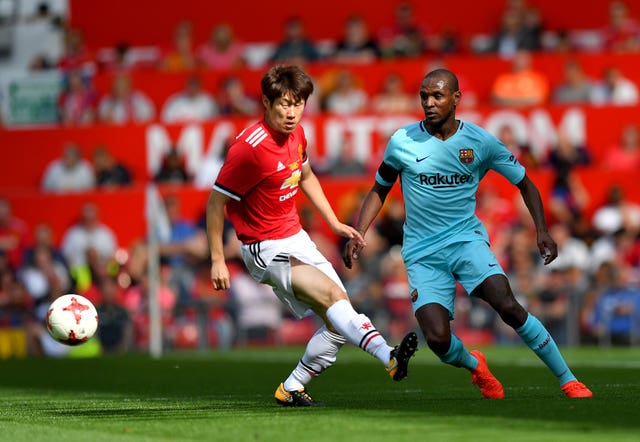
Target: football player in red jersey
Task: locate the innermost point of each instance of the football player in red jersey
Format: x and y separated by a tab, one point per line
265	167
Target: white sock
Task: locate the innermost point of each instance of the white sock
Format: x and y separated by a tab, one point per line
319	355
358	330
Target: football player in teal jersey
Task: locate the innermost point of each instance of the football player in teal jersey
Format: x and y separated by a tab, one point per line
440	161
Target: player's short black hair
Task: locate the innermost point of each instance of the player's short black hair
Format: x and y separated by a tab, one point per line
448	75
281	80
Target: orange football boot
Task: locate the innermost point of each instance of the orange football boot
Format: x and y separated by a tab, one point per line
575	389
490	387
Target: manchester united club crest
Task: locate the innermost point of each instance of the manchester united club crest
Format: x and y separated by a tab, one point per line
414	295
466	156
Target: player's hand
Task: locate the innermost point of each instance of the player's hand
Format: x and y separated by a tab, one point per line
355	244
347	231
352	251
547	247
220	278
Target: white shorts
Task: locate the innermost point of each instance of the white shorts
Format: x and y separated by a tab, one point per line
268	262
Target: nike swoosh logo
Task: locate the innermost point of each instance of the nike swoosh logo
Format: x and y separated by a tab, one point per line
493	265
422	159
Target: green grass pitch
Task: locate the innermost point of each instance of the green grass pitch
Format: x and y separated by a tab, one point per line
228	396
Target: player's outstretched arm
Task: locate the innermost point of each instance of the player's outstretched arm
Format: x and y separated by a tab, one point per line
371	206
311	187
220	277
531	196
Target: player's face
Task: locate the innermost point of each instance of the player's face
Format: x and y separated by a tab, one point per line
438	100
284	113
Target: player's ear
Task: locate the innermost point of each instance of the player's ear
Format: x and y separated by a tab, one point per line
457	95
266	102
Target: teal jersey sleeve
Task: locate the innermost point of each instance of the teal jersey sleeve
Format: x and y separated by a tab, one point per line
503	161
391	165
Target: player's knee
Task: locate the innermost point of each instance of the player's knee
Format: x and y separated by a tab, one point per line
506	304
511	311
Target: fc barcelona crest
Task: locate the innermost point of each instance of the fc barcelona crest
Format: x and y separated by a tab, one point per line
466	156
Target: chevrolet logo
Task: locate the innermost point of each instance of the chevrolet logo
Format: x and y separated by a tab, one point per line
292	181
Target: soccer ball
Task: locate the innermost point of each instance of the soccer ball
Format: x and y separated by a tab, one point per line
72	319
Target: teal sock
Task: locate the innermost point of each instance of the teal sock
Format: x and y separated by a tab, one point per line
536	336
458	356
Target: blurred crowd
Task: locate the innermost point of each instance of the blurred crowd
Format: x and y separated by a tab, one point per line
520	34
590	294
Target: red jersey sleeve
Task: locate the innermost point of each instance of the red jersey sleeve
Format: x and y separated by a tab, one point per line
240	172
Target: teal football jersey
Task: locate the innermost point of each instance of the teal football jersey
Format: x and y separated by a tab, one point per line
439	181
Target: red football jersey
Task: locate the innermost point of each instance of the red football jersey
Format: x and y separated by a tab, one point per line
260	174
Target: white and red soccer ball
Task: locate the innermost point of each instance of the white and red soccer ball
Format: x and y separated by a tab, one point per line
72	319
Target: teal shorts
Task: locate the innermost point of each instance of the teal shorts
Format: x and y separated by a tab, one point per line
432	279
